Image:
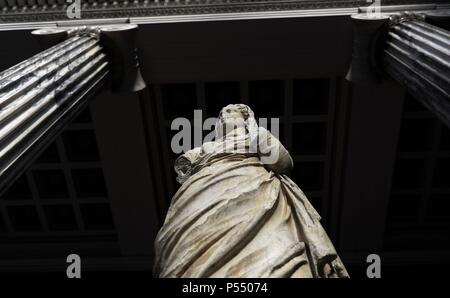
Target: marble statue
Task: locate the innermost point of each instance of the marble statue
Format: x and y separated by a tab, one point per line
237	215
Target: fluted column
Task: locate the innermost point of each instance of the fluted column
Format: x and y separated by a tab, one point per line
44	93
406	48
417	55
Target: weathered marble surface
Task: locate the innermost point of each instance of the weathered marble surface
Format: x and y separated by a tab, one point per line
235	216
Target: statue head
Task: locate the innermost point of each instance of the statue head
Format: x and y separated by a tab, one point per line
235	117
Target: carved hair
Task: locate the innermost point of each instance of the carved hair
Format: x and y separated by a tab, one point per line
241	108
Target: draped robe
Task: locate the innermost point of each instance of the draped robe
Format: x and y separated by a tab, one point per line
234	216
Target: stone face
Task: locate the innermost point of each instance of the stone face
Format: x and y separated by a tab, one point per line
237	214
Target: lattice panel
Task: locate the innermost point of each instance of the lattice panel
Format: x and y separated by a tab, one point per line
420	197
63	193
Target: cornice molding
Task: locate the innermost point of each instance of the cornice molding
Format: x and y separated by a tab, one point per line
19	11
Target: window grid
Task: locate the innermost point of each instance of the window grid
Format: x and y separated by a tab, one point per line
420	152
54	211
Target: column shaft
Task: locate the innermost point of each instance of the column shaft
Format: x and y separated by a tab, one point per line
417	55
41	95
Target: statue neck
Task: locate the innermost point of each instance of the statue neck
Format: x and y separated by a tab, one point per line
238	131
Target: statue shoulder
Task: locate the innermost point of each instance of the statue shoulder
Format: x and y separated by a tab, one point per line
209	147
190	155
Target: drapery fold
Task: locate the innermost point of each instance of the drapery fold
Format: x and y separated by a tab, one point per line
234	218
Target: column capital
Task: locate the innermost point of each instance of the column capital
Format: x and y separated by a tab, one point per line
119	43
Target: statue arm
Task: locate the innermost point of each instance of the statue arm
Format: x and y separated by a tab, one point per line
184	164
272	153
